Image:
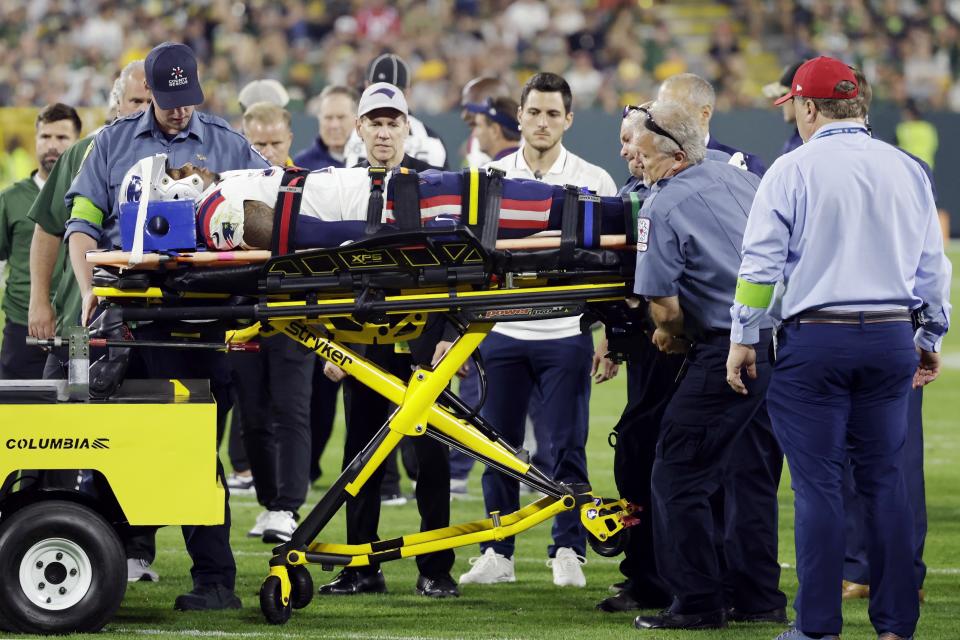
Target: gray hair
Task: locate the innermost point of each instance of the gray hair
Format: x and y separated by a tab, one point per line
120	85
695	91
841	108
683	125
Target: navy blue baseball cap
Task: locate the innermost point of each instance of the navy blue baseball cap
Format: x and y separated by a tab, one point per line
489	109
171	70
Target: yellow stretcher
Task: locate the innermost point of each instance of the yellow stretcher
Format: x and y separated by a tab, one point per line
381	291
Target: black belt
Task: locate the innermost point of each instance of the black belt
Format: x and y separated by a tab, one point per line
850	317
722	337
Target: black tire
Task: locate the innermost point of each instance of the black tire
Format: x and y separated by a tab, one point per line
612	546
301	586
91	569
271	603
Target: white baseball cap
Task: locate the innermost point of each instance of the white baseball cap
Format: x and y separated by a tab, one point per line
263	91
382	95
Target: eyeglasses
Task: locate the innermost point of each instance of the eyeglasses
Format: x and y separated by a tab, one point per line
651	124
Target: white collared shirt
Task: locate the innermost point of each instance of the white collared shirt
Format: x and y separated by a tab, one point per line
567	169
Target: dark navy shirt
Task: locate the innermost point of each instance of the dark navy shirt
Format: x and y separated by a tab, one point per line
317	156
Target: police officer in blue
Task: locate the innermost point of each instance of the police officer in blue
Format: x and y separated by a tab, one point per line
174	127
689	230
847	350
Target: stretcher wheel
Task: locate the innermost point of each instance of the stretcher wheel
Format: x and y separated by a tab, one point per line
271	602
612	546
301	586
62	569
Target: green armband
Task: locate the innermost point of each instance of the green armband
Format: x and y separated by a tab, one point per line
753	295
84	209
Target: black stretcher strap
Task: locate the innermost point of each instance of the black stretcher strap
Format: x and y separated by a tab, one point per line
286	210
569	222
378	176
491	209
406	200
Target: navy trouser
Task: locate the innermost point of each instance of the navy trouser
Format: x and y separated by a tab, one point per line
839	393
651	381
461	463
855	567
273	389
700	427
560	369
208	546
323	412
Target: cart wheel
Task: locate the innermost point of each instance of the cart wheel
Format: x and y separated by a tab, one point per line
62	569
271	603
612	546
301	586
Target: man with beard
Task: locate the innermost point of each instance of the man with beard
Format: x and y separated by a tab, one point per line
58	127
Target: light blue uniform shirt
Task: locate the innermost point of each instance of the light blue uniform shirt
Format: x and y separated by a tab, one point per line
845	221
695	230
208	141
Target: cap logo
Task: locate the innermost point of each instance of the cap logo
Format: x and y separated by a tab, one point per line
177	79
387	92
799	88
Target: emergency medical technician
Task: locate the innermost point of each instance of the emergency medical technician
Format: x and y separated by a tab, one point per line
551	356
688	232
847	351
651	380
171	126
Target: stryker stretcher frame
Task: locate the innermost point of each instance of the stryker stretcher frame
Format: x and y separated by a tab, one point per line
431	271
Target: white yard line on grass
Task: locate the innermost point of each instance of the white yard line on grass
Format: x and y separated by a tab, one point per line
199	633
950	360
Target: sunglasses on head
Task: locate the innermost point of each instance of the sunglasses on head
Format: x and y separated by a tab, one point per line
650	123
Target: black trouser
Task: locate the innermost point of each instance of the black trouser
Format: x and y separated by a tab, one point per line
138	541
273	389
208	546
17	360
699	433
365	412
651	381
235	449
323	412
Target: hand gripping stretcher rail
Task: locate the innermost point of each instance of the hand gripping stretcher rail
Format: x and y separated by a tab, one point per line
381	290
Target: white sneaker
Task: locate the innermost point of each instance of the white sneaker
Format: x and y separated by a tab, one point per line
241	485
458	488
138	570
566	568
490	568
278	526
257	530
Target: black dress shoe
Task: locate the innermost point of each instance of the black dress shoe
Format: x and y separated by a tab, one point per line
443	587
207	598
778	616
625	600
668	620
617	587
350	582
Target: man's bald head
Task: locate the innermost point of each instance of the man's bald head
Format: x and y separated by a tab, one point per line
693	92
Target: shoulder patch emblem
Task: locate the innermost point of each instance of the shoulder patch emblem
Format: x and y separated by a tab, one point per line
643	233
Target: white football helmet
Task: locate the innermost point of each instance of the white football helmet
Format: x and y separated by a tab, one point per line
162	186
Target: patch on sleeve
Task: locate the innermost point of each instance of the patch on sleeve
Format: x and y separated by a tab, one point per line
643	233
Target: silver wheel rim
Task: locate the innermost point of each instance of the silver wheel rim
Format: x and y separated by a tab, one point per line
55	574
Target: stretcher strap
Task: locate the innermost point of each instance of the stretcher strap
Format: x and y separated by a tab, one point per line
491	209
589	228
631	211
570	222
406	200
286	210
378	176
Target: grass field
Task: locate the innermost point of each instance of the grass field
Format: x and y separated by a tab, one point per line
533	607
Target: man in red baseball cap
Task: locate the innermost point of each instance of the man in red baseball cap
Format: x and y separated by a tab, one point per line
821	78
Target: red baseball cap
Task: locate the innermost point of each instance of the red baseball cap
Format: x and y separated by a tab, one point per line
818	78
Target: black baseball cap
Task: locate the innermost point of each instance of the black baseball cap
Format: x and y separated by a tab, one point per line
389	68
171	70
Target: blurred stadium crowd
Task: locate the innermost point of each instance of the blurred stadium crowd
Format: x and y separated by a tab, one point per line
612	52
